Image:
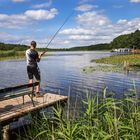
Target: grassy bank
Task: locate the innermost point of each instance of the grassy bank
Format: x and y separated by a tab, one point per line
104	118
115	63
131	59
12	54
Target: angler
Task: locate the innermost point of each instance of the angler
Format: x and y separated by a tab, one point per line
33	58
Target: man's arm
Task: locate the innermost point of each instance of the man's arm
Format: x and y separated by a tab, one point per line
39	56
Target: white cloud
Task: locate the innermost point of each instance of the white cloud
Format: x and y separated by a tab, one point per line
27	18
18	0
43	5
94	28
85	7
122	21
10	38
92	19
41	14
134	1
80	37
77	31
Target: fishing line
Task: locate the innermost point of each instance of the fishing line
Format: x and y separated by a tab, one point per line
65	21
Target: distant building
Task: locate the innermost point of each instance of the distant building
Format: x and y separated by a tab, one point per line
121	50
135	51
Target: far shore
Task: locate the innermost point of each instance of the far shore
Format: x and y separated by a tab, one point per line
18	57
12	54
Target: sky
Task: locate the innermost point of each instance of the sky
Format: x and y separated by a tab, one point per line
91	22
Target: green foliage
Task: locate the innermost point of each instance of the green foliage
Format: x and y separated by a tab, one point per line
104	118
91	47
127	41
102	68
16	47
11	54
133	60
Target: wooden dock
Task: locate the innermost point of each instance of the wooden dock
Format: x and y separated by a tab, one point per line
14	108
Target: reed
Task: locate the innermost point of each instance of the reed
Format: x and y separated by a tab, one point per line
132	59
12	54
104	118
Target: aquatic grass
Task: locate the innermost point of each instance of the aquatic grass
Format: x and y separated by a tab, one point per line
132	59
102	68
13	54
115	63
103	118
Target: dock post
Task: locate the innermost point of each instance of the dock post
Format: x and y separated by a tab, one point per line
0	132
6	132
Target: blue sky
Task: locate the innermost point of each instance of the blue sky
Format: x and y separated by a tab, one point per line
93	21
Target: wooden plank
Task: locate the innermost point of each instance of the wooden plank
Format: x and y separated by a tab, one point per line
13	108
14	95
19	87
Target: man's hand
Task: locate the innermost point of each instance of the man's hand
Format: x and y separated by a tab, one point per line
42	53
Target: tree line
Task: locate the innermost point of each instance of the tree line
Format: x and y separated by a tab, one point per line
131	40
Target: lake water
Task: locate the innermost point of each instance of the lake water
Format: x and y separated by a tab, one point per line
63	73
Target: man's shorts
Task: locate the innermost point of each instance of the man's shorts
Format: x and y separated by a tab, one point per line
33	71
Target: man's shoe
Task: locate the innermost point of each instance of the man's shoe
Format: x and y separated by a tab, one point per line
38	95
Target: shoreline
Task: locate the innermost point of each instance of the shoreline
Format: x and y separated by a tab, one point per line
115	63
19	57
131	59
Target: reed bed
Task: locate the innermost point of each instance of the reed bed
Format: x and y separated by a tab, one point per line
104	118
132	59
11	54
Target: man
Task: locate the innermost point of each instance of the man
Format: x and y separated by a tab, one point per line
33	58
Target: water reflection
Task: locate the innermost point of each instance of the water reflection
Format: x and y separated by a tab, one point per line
63	70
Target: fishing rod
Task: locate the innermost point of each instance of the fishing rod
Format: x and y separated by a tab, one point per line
65	21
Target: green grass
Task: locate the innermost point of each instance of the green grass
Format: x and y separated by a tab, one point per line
12	54
132	59
104	118
115	63
101	68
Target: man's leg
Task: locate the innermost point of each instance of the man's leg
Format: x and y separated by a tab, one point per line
38	87
38	79
31	81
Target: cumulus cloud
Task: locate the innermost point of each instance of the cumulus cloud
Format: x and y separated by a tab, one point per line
94	28
77	31
28	17
41	14
85	7
43	5
135	1
10	38
92	19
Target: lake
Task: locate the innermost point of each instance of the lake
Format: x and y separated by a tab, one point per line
63	74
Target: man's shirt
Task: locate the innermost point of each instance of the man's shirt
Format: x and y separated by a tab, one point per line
32	57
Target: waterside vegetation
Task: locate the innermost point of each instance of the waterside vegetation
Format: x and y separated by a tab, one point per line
104	118
115	63
131	59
